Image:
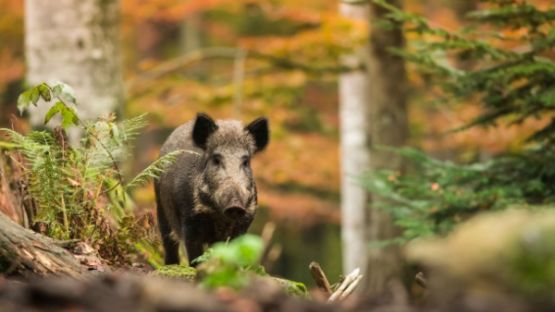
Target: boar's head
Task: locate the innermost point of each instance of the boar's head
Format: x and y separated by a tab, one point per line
226	182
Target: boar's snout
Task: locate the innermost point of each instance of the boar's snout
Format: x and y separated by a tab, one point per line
234	212
233	202
234	209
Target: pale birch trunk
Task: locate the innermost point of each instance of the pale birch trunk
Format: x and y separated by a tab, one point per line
353	100
76	42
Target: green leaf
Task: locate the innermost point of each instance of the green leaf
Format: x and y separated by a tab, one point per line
69	117
57	108
35	95
68	114
57	90
232	264
44	91
250	249
24	100
32	96
67	94
244	251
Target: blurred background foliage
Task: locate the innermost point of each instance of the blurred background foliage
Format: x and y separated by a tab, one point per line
280	58
502	60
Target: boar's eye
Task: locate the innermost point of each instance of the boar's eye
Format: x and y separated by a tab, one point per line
216	159
245	162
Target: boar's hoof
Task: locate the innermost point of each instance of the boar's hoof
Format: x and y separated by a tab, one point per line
234	212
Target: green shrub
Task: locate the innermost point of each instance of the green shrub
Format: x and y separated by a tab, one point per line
231	264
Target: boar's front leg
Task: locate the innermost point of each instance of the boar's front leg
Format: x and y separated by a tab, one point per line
194	243
198	232
171	246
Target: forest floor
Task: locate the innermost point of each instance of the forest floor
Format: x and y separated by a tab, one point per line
132	292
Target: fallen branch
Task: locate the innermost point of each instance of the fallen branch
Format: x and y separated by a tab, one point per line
348	285
26	253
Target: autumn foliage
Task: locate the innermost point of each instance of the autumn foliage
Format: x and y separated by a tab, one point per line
241	59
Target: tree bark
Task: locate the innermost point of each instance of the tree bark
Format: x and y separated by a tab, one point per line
353	99
10	203
26	253
387	126
76	42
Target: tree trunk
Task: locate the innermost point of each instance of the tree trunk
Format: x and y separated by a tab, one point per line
26	253
353	99
191	33
76	42
388	126
10	203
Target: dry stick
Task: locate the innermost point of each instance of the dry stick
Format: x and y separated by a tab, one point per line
267	235
271	256
320	277
421	280
350	288
349	284
67	243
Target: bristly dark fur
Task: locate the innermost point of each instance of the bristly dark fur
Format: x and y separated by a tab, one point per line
210	179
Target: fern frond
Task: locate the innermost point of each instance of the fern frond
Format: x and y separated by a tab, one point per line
109	142
130	128
155	169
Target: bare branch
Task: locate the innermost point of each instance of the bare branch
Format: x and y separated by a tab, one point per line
179	63
320	277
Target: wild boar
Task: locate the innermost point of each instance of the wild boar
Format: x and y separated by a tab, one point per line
208	194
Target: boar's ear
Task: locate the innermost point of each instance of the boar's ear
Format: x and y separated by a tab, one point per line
203	128
260	132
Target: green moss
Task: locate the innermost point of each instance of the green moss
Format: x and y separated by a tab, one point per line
531	263
292	288
179	271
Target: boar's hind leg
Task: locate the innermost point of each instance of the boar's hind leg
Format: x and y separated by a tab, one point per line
171	246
